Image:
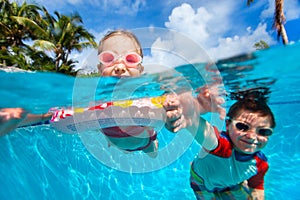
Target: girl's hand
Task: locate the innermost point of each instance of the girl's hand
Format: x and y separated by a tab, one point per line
210	100
181	111
10	118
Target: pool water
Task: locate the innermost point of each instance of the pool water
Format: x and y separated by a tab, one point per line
38	162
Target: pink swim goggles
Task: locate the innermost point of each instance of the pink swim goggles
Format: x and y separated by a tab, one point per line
131	59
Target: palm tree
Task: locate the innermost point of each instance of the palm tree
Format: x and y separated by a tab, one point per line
278	21
60	35
63	35
18	23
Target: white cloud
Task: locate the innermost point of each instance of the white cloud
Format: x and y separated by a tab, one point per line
171	49
186	20
208	29
169	53
235	45
203	24
174	48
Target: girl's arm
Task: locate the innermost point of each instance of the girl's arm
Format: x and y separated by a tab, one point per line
12	118
35	118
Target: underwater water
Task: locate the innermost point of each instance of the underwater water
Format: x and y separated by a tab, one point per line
38	162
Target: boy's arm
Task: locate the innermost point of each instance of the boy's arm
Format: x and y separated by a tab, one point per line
206	135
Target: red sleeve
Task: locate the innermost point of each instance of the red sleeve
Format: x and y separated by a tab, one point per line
257	181
224	148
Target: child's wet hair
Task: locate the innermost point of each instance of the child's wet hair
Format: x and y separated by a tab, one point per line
253	101
121	32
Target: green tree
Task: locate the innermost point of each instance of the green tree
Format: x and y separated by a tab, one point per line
17	25
54	38
64	34
261	45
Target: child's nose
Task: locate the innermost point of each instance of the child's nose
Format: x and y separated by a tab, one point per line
251	133
120	69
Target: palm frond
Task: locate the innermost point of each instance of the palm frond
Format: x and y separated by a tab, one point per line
30	24
44	45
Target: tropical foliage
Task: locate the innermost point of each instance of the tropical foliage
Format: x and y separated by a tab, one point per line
52	38
261	45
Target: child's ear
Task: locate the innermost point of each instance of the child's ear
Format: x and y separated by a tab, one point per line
99	68
227	123
141	68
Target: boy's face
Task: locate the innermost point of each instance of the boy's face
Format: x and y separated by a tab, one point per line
120	45
249	132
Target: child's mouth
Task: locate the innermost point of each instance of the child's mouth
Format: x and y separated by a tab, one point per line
250	142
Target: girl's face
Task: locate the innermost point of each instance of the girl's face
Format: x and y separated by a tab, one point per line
120	62
249	132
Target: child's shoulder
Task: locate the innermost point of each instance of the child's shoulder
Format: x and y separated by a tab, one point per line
262	156
225	146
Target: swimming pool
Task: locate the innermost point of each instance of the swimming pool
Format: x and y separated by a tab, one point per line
41	163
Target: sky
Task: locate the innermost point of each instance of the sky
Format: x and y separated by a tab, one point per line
222	28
